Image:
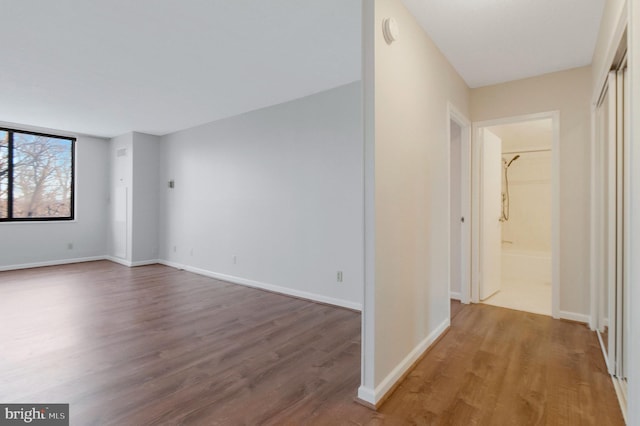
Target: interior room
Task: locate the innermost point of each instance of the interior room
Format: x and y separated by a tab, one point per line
525	215
331	212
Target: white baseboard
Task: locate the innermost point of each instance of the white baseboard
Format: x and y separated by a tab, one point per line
373	396
604	352
265	286
455	295
621	392
132	264
572	316
145	262
51	263
366	394
119	261
236	280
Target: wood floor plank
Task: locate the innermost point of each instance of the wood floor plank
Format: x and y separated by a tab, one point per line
155	345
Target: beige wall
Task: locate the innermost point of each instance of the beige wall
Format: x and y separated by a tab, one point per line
413	83
569	92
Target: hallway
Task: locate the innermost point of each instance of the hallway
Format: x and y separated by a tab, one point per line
497	366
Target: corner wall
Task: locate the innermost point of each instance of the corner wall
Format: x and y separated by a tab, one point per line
146	174
133	238
568	92
407	296
271	198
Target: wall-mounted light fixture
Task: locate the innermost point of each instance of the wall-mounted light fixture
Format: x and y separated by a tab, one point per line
390	30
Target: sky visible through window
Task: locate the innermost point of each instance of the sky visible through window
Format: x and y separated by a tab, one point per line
41	176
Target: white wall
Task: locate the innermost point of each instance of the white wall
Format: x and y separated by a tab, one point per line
146	175
278	189
569	92
455	186
407	95
529	224
134	198
40	243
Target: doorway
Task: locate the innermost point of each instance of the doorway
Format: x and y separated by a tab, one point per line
516	213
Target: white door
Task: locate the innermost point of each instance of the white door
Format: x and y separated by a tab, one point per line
455	141
490	212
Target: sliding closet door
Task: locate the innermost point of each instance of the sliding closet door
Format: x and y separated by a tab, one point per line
612	218
606	229
622	285
610	221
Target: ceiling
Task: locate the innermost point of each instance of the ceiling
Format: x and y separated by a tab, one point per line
493	41
106	68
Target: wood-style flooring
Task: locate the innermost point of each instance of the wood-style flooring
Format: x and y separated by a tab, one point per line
155	345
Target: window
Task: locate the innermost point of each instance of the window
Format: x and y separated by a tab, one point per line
36	176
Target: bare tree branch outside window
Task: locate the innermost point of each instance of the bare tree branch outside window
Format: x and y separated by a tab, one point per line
41	179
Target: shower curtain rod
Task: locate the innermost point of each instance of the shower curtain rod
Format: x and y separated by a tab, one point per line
525	151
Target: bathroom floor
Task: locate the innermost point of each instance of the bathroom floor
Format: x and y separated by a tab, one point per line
532	297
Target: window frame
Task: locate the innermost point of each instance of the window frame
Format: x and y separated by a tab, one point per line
72	198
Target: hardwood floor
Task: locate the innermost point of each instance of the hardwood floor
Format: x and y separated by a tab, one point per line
154	345
503	367
456	308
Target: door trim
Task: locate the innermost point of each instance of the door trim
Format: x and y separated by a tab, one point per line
555	202
454	114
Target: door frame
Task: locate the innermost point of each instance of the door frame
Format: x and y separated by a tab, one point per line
454	114
555	202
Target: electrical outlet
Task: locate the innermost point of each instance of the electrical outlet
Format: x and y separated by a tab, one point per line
339	276
235	259
191	252
175	249
70	246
